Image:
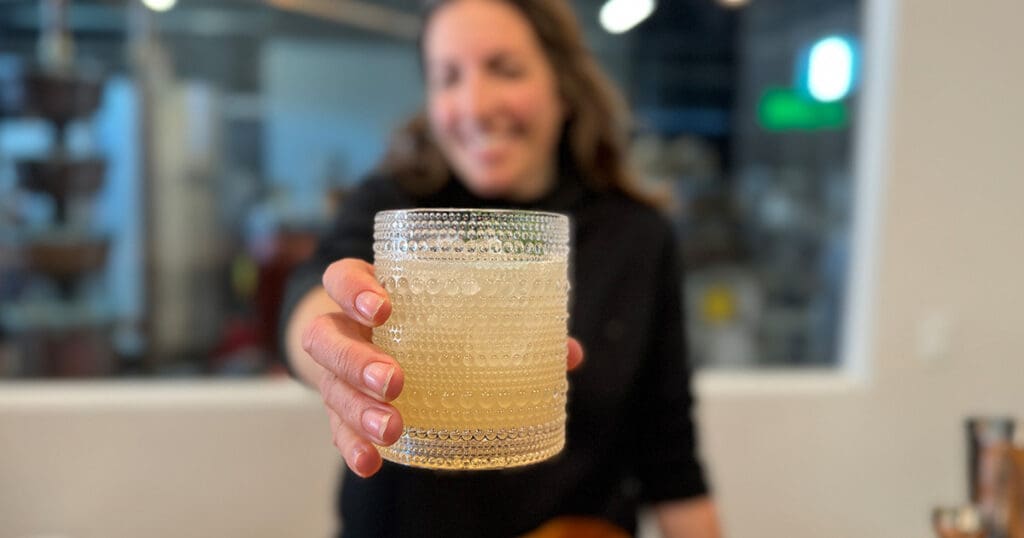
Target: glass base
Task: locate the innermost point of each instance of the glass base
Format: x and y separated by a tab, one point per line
475	449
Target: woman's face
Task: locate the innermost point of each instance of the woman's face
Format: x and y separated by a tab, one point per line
492	98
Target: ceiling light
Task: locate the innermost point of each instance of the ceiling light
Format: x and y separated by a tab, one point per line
159	5
618	16
830	69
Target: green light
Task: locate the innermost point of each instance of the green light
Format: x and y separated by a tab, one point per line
785	109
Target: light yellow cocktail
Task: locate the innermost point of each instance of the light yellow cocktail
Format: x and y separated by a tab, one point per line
478	324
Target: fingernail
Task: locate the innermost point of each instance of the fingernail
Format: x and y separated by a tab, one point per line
368	304
375	422
377	377
358	455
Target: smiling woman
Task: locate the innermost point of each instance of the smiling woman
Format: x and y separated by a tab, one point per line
493	100
521	119
532	89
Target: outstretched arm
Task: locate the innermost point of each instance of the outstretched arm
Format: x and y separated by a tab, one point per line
693	518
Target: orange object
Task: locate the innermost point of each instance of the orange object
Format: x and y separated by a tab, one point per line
1017	491
577	527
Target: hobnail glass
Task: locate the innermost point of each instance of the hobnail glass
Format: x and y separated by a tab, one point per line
478	324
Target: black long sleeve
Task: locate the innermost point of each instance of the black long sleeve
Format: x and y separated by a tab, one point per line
670	468
630	435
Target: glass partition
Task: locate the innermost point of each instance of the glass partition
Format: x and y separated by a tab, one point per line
161	172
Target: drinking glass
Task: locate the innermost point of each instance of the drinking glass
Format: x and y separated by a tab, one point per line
478	325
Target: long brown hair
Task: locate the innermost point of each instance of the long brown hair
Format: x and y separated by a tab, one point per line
594	136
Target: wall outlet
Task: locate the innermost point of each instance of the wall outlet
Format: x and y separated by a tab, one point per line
934	336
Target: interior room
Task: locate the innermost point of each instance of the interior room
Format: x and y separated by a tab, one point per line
838	178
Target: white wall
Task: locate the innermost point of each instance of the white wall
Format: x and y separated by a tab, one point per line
164	460
811	459
872	460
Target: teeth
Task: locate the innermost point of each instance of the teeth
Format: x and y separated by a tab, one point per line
482	141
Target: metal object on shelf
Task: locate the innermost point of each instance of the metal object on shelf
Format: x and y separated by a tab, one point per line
55	88
68	333
62	178
66	256
60	97
58	338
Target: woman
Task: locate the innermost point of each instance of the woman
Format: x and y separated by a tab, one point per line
518	115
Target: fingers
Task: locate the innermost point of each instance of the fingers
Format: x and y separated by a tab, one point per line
342	347
359	378
360	455
358	422
575	355
367	418
351	284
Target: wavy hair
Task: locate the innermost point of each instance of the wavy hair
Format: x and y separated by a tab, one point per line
594	136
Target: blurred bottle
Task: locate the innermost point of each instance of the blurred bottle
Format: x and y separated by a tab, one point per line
990	450
56	50
957	522
1017	484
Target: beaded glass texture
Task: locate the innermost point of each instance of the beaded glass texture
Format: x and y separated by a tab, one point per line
478	324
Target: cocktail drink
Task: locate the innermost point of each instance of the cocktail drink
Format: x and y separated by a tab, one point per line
478	325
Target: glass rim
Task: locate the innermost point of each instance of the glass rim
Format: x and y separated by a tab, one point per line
486	211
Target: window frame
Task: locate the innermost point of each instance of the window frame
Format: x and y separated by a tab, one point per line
852	372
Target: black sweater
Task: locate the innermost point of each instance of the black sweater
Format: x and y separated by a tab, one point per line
630	436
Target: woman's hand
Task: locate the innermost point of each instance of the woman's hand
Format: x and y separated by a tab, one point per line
359	380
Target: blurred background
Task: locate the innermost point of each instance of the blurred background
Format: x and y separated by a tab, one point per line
163	165
847	180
